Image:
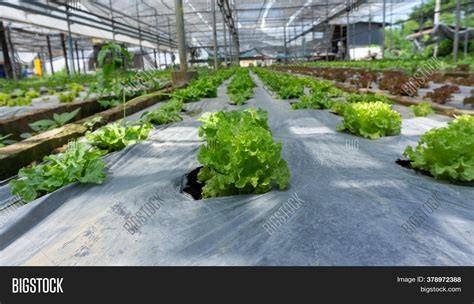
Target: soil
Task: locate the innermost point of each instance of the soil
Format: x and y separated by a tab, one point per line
192	185
405	163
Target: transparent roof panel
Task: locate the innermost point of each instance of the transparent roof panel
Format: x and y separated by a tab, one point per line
261	24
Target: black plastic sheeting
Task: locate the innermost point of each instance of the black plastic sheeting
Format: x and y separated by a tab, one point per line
348	204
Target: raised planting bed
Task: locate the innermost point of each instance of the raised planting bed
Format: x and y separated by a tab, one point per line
403	100
16	156
460	77
342	74
17	125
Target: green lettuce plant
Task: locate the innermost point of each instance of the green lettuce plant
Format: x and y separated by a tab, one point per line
167	113
339	107
67	97
354	98
422	109
32	94
286	86
115	137
77	163
446	153
323	86
240	155
371	120
109	103
241	87
318	101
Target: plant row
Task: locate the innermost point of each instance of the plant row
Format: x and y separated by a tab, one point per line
392	64
444	153
240	89
81	162
203	87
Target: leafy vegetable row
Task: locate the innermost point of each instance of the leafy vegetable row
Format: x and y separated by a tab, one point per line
286	86
81	162
241	87
203	87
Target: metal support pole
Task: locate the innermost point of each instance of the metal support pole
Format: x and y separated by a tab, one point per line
303	40
169	37
180	35
370	30
6	54
231	49
140	36
113	21
83	62
296	47
157	62
353	40
383	28
154	55
466	36
225	38
312	22
456	32
348	55
391	26
326	23
436	22
78	59
15	70
71	50
236	40
285	44
214	34
48	42
63	45
341	34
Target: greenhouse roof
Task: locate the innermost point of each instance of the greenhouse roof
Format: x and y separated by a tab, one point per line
260	24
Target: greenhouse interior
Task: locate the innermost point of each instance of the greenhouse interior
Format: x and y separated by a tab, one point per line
237	133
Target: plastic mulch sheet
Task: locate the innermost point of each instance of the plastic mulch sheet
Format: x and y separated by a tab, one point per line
36	104
347	205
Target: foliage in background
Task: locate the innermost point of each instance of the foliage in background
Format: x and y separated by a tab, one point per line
111	58
316	101
422	109
203	87
354	98
286	86
167	113
241	87
115	137
447	153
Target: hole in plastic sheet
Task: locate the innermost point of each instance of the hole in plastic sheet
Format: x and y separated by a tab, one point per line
192	185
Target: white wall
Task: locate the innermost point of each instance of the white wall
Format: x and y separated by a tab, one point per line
360	53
